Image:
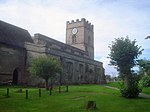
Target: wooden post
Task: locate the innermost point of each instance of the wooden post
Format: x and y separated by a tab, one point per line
91	105
50	91
26	94
67	88
59	89
20	90
7	95
39	92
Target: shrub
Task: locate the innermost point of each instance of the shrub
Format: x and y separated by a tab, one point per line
145	81
132	91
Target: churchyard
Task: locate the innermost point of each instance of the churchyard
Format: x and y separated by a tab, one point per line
75	100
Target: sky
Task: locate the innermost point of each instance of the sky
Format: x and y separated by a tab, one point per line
111	19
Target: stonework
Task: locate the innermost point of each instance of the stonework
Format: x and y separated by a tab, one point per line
84	36
76	56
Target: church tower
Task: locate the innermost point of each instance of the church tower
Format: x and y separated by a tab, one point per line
80	34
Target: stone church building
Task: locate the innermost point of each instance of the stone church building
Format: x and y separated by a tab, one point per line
17	47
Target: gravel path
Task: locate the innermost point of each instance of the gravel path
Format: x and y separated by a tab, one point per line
143	95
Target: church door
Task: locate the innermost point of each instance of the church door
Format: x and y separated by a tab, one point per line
15	77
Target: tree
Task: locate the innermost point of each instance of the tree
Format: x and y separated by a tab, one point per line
144	66
123	53
45	67
108	78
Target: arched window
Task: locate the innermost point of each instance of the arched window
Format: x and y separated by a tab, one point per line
74	38
80	68
69	66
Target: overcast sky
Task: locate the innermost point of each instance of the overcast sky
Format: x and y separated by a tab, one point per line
111	19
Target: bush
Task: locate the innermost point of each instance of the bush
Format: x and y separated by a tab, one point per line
132	91
145	81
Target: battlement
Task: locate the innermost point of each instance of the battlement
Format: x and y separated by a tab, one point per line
82	22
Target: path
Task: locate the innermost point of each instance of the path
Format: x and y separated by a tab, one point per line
143	95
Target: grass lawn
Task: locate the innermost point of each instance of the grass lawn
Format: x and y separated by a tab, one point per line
107	100
117	85
146	90
114	84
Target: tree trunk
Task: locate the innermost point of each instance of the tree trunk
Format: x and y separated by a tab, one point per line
129	81
126	81
91	105
127	76
51	83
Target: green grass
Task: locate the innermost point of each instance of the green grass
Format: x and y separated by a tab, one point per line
107	100
117	85
114	84
146	90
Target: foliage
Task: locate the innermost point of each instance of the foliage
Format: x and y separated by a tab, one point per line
119	84
108	77
45	67
144	66
130	92
145	81
111	78
133	90
148	37
123	53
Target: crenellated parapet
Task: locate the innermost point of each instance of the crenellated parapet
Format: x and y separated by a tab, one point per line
77	22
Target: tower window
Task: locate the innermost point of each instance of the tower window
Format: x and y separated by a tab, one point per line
74	38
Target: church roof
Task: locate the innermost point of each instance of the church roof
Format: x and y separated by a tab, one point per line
13	35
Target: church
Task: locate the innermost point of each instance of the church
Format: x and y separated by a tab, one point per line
76	56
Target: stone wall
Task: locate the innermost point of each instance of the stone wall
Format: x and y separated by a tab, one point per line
11	58
76	68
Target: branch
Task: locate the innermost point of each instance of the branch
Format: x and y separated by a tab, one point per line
148	37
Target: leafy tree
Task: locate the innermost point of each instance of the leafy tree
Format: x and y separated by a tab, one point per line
123	53
145	81
108	77
45	67
144	66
